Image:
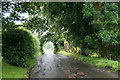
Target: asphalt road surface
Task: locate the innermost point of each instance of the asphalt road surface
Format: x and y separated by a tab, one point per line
60	66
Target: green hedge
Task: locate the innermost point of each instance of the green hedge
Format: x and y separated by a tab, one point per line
19	45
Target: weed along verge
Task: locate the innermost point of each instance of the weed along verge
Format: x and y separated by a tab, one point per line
98	62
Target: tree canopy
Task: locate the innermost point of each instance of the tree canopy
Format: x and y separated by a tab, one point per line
91	26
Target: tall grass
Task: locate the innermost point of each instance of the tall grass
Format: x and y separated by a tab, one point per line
98	62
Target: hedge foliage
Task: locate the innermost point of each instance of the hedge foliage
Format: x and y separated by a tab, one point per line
19	45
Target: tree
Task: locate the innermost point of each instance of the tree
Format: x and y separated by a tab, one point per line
105	22
15	9
63	18
91	26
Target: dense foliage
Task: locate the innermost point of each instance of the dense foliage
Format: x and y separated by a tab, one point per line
19	46
93	27
105	23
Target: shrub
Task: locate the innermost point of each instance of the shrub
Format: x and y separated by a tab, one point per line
19	45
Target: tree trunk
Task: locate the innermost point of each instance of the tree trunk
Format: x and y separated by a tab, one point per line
105	51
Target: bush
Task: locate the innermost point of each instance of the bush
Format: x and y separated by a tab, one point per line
19	45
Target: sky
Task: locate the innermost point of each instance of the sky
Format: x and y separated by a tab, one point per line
23	15
44	33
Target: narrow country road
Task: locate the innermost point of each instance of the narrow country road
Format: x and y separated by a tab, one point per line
59	66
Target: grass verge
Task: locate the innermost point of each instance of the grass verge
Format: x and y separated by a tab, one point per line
98	62
0	66
10	71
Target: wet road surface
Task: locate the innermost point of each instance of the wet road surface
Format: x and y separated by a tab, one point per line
60	66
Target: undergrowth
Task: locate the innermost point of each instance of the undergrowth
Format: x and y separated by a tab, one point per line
96	61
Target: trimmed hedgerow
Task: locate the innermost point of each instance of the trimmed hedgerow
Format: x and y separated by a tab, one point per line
19	45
